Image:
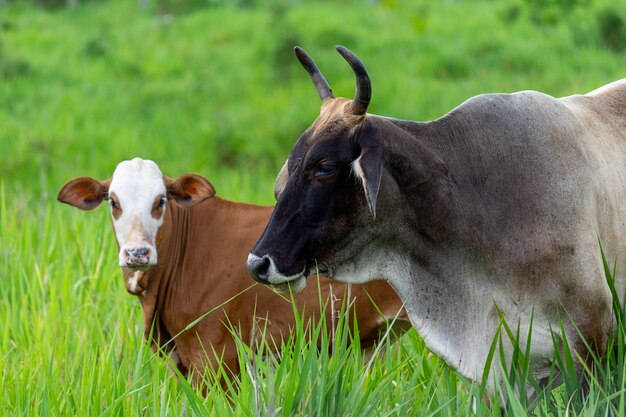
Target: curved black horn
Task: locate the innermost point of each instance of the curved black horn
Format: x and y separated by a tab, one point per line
363	92
322	87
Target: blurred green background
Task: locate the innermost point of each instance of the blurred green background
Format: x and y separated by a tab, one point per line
212	85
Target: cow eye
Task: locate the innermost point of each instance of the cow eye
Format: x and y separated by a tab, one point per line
162	202
324	169
112	203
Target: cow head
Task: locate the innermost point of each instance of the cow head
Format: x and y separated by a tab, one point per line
327	191
137	194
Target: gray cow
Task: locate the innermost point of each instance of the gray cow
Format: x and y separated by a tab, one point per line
495	208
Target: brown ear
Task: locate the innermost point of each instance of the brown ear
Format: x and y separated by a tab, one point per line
189	189
84	193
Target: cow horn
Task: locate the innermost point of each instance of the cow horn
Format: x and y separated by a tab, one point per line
322	87
363	92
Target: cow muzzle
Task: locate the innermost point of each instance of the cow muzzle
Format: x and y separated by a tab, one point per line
137	257
263	270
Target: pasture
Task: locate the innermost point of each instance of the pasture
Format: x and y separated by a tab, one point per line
214	88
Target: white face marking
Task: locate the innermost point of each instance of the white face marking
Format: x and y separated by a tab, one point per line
137	184
132	282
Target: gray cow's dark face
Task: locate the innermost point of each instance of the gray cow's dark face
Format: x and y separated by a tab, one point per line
328	195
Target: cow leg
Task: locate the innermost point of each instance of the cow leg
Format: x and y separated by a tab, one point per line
207	365
585	315
178	363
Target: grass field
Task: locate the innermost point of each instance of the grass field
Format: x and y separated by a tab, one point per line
215	89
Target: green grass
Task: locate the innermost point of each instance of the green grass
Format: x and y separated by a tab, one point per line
216	90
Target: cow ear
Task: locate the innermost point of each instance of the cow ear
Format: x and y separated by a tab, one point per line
368	167
189	189
84	193
281	180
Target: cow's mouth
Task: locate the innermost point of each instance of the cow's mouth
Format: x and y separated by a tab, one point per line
294	285
320	268
141	264
138	267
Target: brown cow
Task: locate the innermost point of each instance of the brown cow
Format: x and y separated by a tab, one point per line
201	266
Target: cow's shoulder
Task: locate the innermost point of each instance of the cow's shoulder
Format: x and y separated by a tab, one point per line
503	113
507	124
602	103
507	104
615	91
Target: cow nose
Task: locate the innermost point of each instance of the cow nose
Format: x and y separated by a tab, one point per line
259	268
137	252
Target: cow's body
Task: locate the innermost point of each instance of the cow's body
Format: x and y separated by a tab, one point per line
201	268
497	207
527	186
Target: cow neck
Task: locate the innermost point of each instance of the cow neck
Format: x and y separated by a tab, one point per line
418	180
158	278
459	156
172	240
195	236
200	239
418	244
